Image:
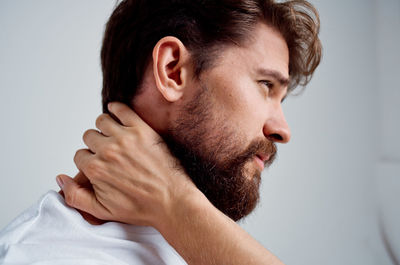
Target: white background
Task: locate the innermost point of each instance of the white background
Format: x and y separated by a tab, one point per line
333	189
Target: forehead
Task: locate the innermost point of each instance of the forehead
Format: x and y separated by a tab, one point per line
265	49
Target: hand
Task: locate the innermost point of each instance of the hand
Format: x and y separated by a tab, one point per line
131	177
134	178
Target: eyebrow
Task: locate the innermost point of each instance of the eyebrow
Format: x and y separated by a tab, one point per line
283	81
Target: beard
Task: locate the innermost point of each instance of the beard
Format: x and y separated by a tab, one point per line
216	158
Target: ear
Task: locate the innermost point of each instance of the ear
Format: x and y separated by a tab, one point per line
170	67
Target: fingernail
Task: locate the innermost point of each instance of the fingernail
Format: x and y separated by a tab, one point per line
60	182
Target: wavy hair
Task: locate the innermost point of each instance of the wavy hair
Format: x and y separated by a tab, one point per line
204	27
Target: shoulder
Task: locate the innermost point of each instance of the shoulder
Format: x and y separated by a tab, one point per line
51	231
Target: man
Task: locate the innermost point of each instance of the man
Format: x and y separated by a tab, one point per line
209	78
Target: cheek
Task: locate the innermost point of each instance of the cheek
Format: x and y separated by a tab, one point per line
233	95
238	103
243	112
248	120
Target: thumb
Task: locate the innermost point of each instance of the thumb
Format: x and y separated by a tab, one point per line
82	181
81	197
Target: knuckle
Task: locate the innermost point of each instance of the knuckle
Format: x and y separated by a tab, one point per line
93	168
128	140
110	152
77	156
100	120
141	135
125	141
86	135
70	198
135	130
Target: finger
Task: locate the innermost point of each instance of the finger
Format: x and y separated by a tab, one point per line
85	162
81	198
107	125
82	180
93	139
125	114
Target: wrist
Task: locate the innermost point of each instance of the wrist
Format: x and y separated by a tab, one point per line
186	204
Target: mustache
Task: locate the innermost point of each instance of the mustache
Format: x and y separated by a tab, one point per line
259	146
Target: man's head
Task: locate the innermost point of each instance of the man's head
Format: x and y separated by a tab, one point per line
210	77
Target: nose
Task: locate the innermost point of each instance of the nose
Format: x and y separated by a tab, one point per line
276	128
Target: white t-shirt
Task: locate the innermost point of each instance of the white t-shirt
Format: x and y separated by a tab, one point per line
50	232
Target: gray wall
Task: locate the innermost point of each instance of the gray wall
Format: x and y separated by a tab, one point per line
321	203
331	187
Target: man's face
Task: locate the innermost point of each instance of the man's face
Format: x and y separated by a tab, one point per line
225	133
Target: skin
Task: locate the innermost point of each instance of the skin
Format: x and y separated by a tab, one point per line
117	182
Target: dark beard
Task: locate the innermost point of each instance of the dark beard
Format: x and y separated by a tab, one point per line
212	157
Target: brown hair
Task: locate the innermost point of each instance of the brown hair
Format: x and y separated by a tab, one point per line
204	26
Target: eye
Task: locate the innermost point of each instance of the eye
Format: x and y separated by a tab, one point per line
267	84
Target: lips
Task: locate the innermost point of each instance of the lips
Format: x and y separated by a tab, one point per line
263	157
260	161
